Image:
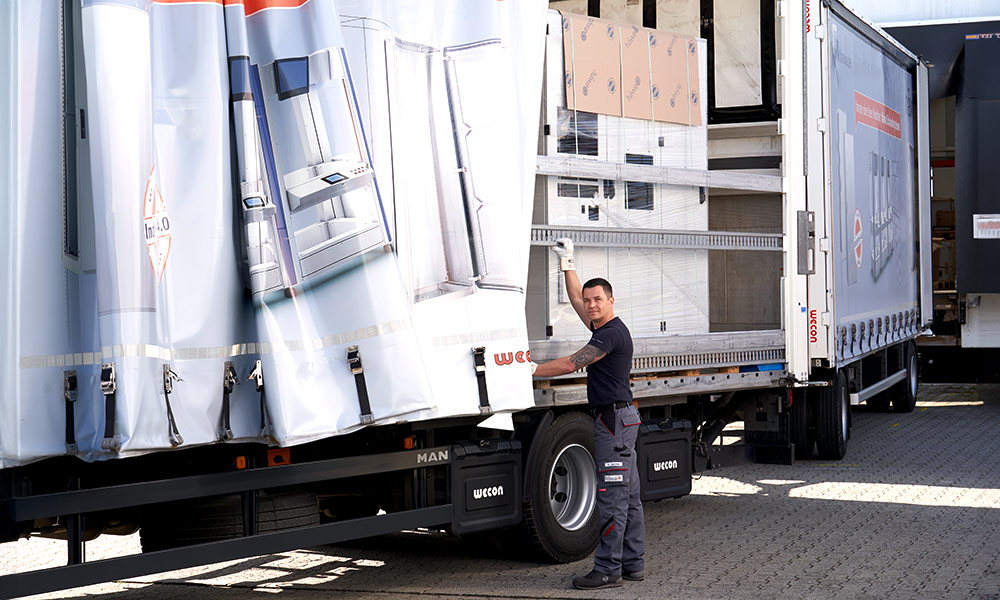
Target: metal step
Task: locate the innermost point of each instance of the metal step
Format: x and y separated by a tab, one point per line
658	353
668	386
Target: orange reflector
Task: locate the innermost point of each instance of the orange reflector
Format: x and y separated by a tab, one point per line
408	443
241	462
278	456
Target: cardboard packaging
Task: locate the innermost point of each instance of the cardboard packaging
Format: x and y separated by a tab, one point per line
593	75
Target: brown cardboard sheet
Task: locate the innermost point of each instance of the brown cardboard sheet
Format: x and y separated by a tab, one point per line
636	98
669	68
593	61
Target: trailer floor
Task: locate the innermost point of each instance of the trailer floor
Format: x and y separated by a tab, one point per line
913	511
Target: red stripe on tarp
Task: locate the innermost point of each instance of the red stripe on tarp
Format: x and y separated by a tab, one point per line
189	1
607	470
630	424
876	115
250	6
254	6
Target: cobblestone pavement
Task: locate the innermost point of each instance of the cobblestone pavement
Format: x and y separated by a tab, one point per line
913	511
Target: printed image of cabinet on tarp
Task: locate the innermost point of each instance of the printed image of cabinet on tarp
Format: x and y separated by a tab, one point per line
874	185
254	231
386	200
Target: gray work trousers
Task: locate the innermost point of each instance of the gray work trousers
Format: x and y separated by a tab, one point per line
623	528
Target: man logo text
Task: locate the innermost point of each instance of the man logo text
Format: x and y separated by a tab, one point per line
432	457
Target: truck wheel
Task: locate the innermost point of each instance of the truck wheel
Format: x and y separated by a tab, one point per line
833	419
560	517
904	395
221	518
802	437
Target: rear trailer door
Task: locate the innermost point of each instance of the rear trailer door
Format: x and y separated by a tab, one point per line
866	293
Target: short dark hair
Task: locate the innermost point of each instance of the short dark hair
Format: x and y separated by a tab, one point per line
600	281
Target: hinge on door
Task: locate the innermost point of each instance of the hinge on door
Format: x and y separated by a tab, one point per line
824	318
821	124
806	242
820	32
824	244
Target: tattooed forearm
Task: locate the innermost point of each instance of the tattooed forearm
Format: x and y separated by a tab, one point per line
586	356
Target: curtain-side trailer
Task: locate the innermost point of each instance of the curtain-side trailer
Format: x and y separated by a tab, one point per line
777	267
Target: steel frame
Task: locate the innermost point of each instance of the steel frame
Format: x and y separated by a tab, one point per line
74	504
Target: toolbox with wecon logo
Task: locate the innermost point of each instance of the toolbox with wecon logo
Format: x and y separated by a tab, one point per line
663	453
486	485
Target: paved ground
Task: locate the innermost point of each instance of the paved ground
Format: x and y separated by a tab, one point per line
913	511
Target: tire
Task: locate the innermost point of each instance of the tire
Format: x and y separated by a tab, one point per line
833	420
904	395
221	518
803	438
560	517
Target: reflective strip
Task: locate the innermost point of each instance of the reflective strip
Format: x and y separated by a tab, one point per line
209	352
479	337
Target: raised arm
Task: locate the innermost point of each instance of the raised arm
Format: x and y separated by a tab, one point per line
574	289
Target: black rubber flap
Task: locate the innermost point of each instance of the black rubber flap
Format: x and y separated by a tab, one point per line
486	485
663	451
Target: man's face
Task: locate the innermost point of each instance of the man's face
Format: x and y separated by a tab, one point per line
598	305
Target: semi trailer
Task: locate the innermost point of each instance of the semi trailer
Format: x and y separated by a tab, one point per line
287	296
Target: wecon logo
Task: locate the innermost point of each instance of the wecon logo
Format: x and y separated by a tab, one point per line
665	465
488	492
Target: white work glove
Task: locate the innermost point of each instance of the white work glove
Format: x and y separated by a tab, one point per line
533	366
564	249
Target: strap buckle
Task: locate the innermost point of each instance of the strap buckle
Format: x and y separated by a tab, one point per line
358	370
108	385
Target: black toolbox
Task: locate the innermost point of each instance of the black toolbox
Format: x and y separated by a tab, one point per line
663	453
486	485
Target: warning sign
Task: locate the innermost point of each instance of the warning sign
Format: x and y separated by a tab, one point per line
156	224
857	238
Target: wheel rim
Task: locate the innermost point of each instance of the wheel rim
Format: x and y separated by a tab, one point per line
913	376
573	487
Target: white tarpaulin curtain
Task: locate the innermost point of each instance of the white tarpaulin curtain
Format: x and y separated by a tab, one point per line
182	263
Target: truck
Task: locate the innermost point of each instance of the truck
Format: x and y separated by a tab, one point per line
287	295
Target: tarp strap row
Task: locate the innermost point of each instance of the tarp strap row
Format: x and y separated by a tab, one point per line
354	362
229	381
479	361
257	376
109	388
70	395
169	377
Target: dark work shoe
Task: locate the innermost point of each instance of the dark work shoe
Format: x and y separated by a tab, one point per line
634	575
596	579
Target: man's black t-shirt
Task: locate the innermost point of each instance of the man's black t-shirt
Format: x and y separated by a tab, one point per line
607	379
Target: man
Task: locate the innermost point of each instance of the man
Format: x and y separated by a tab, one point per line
608	358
